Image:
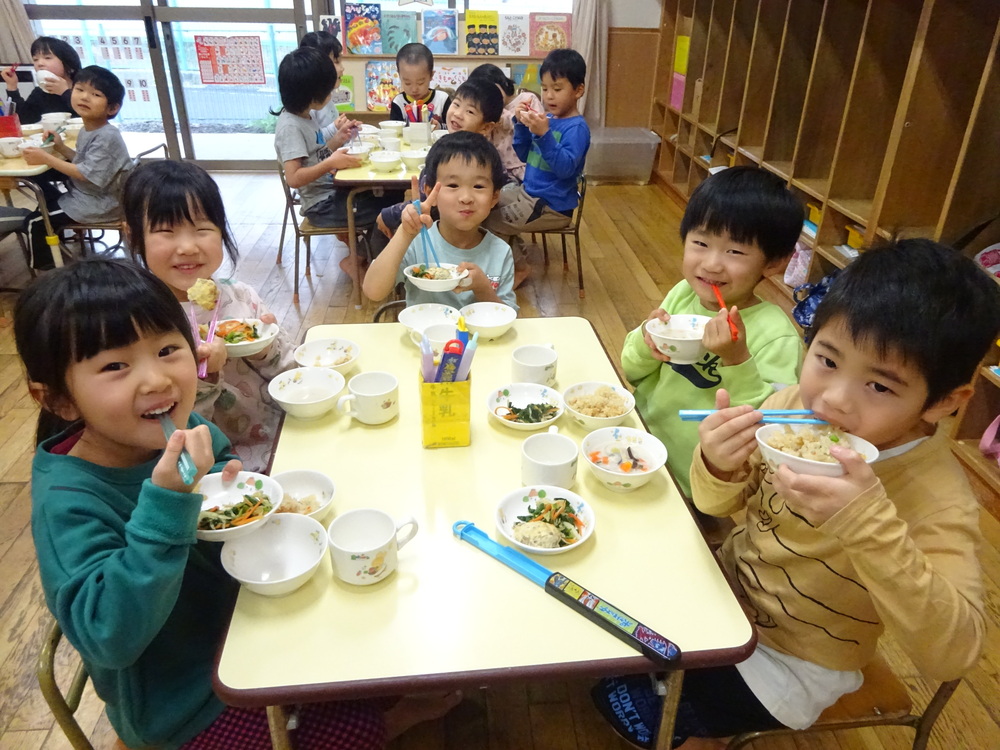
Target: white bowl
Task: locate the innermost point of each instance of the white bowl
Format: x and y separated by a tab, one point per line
55	118
223	495
517	503
365	129
437	285
611	444
36	142
385	161
520	395
74	121
414	160
338	354
301	483
437	135
268	332
361	150
587	388
72	131
279	558
394	127
418	317
490	320
776	458
306	392
34	128
680	337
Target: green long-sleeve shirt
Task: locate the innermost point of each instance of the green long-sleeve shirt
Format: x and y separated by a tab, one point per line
662	389
143	601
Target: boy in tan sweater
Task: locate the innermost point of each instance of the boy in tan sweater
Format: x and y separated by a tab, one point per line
827	564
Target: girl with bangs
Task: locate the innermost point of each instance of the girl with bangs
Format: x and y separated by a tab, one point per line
107	350
176	226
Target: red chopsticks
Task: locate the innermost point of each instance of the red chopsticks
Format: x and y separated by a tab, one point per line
733	330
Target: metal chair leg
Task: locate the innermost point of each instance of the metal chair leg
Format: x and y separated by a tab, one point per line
308	255
565	259
295	288
579	265
281	240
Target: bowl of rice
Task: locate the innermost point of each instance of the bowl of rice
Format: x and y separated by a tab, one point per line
806	448
623	458
338	354
441	278
593	404
680	337
307	492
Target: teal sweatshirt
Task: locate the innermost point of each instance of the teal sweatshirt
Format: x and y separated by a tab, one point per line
143	601
661	389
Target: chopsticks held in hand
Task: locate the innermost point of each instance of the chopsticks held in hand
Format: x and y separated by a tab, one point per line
733	330
771	416
425	237
203	364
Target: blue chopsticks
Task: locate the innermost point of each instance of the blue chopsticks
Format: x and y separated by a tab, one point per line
428	242
771	416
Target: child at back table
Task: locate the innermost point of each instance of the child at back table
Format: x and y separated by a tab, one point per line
826	564
56	64
97	168
176	227
502	136
466	172
415	65
740	225
106	347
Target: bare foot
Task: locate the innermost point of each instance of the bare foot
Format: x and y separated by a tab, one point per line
349	265
414	709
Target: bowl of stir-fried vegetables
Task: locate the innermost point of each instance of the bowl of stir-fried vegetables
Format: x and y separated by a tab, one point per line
545	520
525	406
623	458
435	278
247	336
236	508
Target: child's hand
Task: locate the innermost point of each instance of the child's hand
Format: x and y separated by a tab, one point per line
536	122
56	86
266	319
382	227
215	352
657	314
728	437
199	444
345	128
342	160
818	498
411	220
718	339
477	281
9	76
35	156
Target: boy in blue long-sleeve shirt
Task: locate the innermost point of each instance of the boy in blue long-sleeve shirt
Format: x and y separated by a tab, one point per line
553	145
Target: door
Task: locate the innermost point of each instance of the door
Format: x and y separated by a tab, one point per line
200	75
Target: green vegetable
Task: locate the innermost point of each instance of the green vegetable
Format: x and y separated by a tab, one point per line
250	508
236	337
530	414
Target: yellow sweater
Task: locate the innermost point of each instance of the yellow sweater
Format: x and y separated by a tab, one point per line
900	557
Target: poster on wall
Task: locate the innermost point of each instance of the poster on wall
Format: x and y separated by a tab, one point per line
236	60
449	77
514	29
343	95
381	84
399	27
363	28
549	31
482	36
331	25
440	31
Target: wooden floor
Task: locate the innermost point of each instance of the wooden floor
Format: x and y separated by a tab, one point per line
631	258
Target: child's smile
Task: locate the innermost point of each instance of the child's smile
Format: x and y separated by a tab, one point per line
184	252
464	201
735	267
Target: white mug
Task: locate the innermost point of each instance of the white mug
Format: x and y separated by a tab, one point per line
364	543
437	334
10	147
418	133
390	143
373	397
534	363
549	458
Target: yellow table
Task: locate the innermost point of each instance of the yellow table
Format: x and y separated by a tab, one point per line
451	615
360	180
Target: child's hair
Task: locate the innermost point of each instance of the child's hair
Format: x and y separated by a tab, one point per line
473	148
921	300
751	205
324	41
415	53
75	312
104	81
305	75
564	63
493	74
67	55
484	95
164	193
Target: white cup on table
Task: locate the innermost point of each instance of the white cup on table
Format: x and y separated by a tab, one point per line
391	143
373	398
549	458
364	544
418	133
10	147
534	363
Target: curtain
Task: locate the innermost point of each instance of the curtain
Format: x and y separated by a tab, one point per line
16	34
590	39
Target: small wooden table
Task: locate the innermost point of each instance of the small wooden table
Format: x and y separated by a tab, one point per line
451	616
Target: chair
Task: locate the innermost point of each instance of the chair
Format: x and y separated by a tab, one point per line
393	306
63	706
881	701
12	222
573	228
84	231
304	230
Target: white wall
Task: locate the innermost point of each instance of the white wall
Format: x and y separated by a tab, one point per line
636	13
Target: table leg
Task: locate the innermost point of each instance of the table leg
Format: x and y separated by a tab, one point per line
51	238
277	720
664	737
352	244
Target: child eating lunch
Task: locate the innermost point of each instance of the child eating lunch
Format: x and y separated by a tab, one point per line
740	225
415	65
106	348
56	64
176	226
466	173
825	565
